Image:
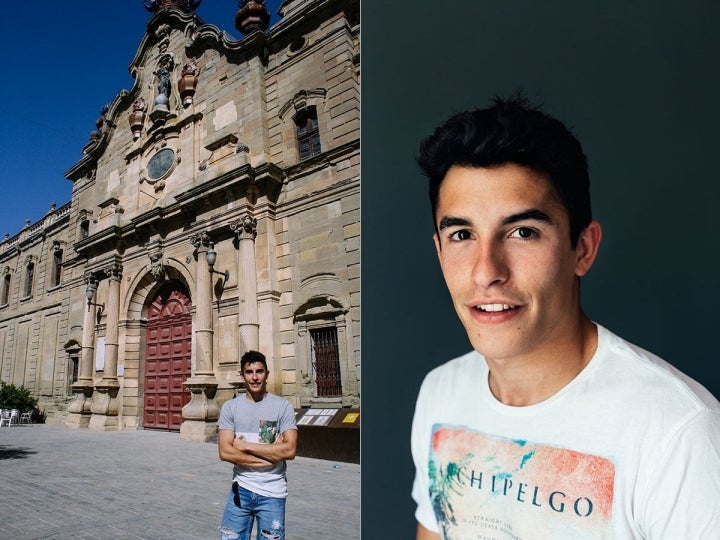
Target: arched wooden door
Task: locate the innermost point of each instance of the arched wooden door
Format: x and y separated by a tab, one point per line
167	358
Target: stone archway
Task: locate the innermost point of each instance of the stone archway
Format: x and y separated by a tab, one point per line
168	351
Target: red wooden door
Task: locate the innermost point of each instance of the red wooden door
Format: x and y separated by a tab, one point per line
167	359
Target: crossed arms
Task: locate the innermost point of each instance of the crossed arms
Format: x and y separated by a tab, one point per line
256	455
425	534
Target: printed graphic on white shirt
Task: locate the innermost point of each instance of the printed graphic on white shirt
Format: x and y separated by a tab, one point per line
486	487
267	431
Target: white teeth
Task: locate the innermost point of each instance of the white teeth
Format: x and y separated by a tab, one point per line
493	307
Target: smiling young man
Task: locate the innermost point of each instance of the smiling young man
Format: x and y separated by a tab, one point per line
257	433
552	427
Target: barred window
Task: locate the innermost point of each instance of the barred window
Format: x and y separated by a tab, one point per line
57	267
326	361
72	373
308	133
29	276
5	296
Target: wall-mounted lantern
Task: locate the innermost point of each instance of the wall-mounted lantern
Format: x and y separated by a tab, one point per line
90	294
211	255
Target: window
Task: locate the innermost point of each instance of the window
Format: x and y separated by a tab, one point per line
308	133
84	229
326	361
73	363
5	297
29	275
57	267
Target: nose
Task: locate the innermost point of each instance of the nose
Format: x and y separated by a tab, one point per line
490	265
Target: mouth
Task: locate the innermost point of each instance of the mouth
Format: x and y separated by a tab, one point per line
494	308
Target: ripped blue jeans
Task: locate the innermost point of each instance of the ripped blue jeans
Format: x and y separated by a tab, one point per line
244	506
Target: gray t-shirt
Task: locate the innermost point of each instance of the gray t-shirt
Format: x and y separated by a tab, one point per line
262	422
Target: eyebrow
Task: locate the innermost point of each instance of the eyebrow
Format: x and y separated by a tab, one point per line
449	221
527	215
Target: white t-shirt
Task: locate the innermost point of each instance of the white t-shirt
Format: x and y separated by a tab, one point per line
261	421
630	448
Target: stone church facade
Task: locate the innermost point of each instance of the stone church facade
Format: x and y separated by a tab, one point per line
216	209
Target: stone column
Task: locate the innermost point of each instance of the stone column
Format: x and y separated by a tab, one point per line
203	309
79	408
105	406
248	322
201	413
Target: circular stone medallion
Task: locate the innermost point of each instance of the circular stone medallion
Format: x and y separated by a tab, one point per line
160	164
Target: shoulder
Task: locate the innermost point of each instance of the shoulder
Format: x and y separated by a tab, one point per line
461	375
229	406
278	401
229	403
657	380
463	368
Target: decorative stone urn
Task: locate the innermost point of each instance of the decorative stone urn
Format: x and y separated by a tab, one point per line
252	15
187	83
137	118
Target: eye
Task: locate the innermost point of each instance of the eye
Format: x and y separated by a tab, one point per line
460	235
524	232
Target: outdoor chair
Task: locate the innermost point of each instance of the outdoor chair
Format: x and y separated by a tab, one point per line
26	418
4	417
14	417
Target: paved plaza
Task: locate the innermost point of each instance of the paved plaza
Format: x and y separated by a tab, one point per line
57	483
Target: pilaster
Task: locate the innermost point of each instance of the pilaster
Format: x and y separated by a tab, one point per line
79	408
201	413
105	404
248	322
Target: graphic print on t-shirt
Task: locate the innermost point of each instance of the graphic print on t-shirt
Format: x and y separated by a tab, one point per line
488	487
267	431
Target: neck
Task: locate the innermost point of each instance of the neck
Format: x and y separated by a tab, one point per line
535	377
256	396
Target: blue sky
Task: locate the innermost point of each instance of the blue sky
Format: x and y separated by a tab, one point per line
62	61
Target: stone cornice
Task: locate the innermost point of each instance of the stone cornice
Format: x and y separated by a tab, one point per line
52	223
322	160
101	242
107	266
268	175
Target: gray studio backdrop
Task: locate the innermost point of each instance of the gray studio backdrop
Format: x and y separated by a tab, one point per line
638	83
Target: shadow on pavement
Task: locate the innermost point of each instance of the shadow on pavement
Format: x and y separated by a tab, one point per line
9	452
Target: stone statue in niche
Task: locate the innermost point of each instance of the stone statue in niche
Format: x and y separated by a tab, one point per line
165	67
164	81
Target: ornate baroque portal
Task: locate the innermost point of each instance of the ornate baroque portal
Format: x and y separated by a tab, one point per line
167	358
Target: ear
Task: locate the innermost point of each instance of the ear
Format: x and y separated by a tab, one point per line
587	248
438	249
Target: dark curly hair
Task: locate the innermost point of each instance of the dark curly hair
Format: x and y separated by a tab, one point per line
512	131
251	357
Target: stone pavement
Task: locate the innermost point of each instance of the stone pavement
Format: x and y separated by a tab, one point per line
57	483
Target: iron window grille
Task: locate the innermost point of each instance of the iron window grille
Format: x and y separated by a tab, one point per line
326	361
